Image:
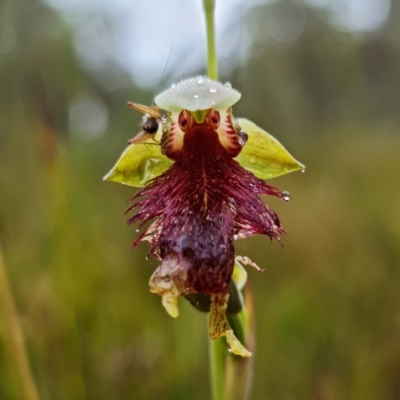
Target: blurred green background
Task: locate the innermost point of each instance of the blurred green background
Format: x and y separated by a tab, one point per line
328	303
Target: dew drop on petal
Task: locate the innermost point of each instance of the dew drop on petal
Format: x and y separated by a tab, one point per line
286	196
228	85
200	81
303	170
173	85
213	90
196	96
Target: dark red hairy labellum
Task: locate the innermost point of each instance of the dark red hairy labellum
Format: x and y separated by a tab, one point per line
201	204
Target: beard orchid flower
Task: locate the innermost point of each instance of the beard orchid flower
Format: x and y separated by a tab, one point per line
202	173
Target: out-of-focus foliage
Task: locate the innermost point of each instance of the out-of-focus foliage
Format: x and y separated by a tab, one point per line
328	303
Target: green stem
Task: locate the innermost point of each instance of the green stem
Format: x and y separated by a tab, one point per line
16	337
218	352
238	375
212	63
217	348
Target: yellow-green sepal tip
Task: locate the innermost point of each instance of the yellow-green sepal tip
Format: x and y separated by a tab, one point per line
263	155
139	163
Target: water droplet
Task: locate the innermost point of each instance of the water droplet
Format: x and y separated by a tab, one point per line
200	81
213	90
252	160
173	85
303	170
196	96
286	196
213	103
228	85
243	138
230	350
137	230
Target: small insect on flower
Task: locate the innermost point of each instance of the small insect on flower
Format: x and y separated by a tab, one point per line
150	122
202	188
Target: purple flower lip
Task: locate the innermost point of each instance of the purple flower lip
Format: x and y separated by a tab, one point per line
199	206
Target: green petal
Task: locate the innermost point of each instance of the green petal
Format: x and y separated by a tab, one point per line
239	275
139	163
263	155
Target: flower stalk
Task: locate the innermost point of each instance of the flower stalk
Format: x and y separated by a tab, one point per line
238	370
217	354
212	62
